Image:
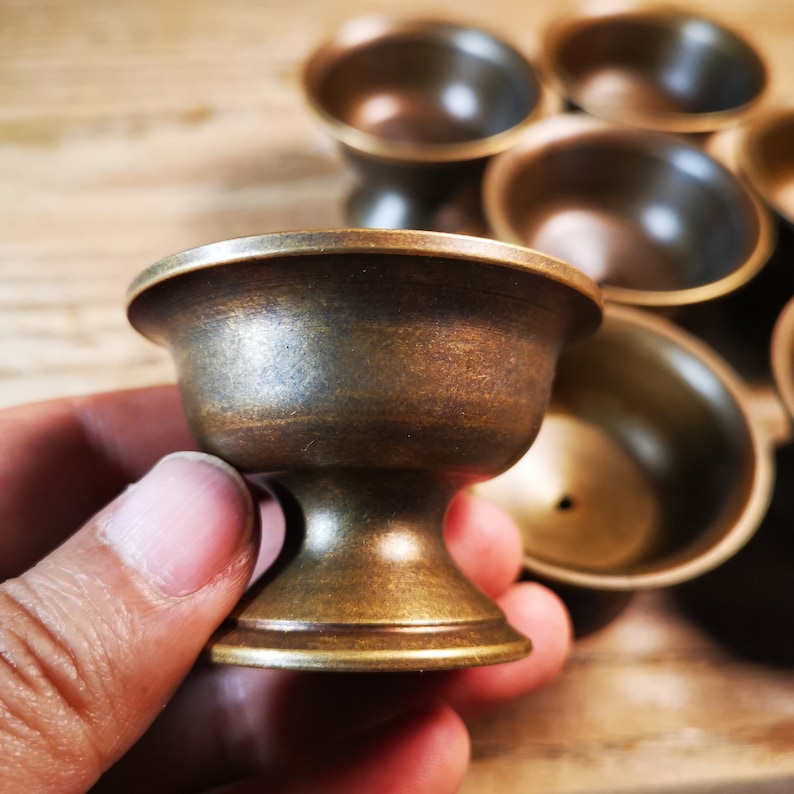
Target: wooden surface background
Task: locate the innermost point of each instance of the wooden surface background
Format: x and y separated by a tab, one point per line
131	129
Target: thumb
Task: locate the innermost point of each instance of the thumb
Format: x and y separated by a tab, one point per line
96	638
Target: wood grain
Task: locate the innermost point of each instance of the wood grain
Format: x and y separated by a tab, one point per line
131	129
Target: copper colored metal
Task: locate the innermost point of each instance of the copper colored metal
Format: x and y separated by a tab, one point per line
418	106
653	219
782	355
371	375
656	68
649	468
766	158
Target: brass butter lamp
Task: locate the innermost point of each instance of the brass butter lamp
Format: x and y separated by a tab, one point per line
654	67
655	220
371	375
653	465
418	106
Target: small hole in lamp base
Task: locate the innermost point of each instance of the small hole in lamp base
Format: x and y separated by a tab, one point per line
565	503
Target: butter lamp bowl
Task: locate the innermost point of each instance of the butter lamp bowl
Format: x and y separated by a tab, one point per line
656	68
650	468
370	375
653	219
417	107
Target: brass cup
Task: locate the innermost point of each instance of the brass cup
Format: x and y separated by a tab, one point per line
741	325
655	68
649	468
782	356
371	375
418	107
766	159
655	220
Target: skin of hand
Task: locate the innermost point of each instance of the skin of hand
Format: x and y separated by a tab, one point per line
111	589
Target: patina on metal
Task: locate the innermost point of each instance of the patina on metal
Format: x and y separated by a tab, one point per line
650	468
654	67
418	106
372	375
655	220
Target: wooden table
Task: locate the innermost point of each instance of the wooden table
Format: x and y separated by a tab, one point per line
131	129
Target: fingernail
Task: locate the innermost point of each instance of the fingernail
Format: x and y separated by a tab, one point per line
184	523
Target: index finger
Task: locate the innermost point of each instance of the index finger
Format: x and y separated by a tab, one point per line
63	459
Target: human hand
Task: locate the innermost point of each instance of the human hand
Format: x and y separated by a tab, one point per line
105	630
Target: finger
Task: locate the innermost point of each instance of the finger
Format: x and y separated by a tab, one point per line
536	612
96	638
484	542
424	752
271	519
62	460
